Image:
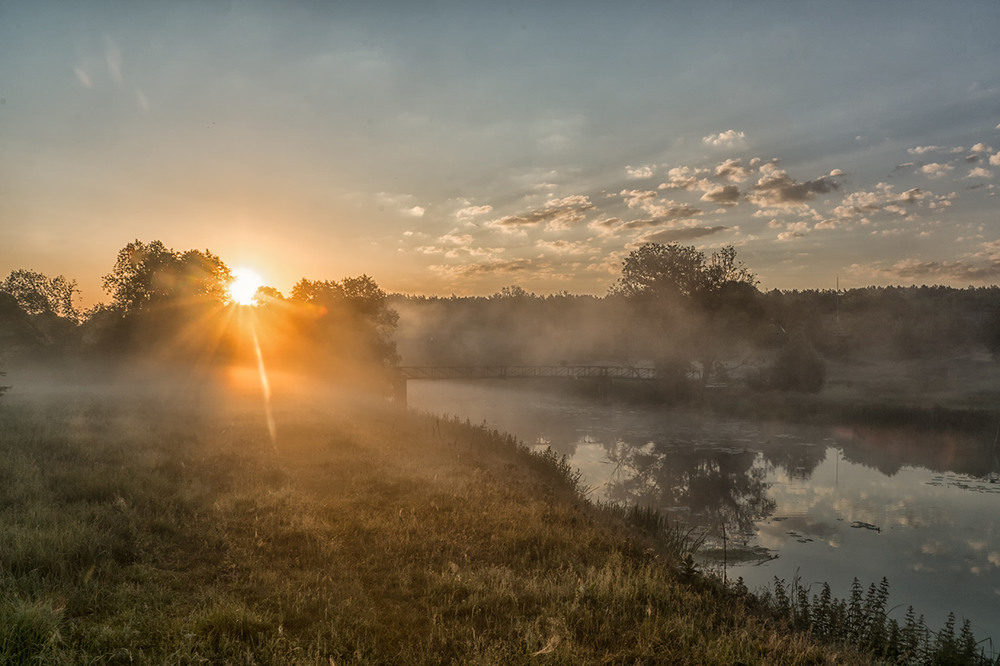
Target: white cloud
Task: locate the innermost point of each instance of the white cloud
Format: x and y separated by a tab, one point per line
682	178
639	172
935	169
557	214
729	138
920	150
636	198
980	148
980	172
473	211
995	159
732	170
796	230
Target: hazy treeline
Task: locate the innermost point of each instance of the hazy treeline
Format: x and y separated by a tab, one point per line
714	327
701	320
173	308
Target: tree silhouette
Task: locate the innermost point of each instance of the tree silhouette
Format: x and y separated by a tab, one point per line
151	274
38	294
670	271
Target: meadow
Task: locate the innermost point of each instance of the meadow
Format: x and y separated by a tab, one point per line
154	524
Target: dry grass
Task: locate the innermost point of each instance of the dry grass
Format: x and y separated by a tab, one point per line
142	529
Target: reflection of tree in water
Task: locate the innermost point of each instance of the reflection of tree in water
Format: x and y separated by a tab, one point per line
799	460
716	485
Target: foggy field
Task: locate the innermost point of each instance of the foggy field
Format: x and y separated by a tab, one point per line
143	529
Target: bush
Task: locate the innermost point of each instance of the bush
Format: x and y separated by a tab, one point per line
798	367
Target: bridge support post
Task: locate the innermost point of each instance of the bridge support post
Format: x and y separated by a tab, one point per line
399	392
603	386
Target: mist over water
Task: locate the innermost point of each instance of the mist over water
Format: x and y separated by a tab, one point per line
798	502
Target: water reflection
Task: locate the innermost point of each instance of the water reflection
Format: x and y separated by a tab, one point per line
817	504
717	487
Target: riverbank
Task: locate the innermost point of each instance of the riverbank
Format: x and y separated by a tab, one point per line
171	528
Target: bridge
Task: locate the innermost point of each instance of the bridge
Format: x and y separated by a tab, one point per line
603	374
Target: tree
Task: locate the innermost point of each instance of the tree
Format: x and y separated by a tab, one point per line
662	271
698	304
670	271
151	274
798	367
350	318
38	294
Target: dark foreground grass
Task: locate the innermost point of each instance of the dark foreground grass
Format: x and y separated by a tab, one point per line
150	531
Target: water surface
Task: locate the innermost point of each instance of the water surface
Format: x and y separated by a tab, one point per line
813	503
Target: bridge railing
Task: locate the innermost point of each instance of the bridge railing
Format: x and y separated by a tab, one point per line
526	372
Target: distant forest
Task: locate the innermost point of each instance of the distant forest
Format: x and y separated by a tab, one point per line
700	320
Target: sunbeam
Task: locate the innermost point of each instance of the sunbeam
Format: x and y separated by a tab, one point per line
265	387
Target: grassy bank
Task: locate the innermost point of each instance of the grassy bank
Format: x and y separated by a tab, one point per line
172	529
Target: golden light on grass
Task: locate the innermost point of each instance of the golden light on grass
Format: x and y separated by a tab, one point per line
245	285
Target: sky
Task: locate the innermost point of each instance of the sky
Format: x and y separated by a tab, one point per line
459	147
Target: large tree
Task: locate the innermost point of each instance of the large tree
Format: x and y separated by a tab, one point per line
669	271
353	315
39	294
152	274
695	305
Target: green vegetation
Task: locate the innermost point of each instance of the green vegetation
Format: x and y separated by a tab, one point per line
863	621
143	530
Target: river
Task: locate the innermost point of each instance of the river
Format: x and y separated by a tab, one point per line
814	503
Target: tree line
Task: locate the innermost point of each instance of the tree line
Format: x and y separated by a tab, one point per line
703	322
169	307
700	319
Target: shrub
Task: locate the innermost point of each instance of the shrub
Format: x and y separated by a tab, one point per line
798	367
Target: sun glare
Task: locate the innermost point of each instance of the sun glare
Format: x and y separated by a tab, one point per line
245	285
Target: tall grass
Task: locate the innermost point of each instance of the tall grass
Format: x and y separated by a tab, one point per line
155	531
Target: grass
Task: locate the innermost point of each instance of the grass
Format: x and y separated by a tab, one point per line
148	527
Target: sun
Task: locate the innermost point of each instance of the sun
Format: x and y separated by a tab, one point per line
245	284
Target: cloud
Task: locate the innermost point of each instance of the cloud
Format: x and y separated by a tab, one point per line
732	170
452	238
661	210
561	246
935	169
485	268
639	172
113	56
401	203
637	198
557	214
980	172
776	189
676	235
980	148
671	210
935	272
682	178
728	139
728	195
83	77
141	100
995	159
863	204
796	230
920	150
473	211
